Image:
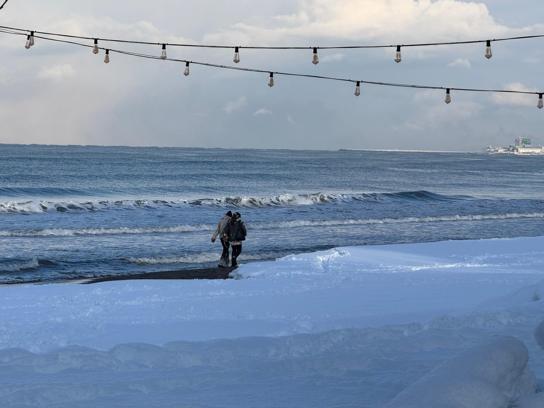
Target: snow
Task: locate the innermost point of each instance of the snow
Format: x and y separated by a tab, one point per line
457	322
490	376
539	334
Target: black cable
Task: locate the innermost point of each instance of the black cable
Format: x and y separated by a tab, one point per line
263	71
3	4
115	40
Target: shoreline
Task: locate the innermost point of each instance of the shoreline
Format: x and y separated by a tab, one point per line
183	274
180	274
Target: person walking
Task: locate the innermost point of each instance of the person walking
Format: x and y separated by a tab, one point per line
220	232
236	233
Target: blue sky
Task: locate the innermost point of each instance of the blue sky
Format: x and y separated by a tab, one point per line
57	94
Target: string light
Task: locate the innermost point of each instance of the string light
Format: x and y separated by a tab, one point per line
236	58
271	80
315	57
95	46
107	57
163	52
358	88
29	40
448	96
259	47
488	51
187	69
398	55
290	74
540	101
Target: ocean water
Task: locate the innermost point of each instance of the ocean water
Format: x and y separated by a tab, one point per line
68	212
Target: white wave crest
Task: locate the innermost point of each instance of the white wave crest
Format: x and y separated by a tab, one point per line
405	220
28	207
19	265
65	232
204	257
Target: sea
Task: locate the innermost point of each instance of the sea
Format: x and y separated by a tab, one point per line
73	212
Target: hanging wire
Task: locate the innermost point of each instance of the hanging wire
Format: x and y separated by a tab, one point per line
261	47
3	4
266	71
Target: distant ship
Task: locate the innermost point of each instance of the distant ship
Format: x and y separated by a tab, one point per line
522	147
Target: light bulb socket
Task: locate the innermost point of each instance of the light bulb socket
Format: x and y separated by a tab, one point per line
448	91
96	41
187	63
488	43
107	52
315	50
271	75
540	96
32	33
236	49
358	83
164	46
398	48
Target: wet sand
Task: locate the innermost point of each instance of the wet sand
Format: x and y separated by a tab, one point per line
186	274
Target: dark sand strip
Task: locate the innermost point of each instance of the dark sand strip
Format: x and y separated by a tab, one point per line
187	274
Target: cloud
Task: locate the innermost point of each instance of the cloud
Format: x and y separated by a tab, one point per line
460	62
262	111
434	113
57	72
235	105
372	21
332	57
515	99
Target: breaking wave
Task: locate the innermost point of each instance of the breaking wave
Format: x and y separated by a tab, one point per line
408	220
19	265
34	206
177	229
204	257
66	232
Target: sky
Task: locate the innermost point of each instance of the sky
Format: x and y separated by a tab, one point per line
60	94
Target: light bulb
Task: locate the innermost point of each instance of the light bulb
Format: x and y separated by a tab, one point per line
448	96
488	52
107	57
236	58
95	47
315	58
398	55
27	45
187	69
358	88
271	80
163	53
32	38
540	101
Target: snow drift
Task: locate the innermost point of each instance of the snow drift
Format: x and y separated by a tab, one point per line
494	375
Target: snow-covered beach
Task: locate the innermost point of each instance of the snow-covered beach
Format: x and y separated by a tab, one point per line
352	326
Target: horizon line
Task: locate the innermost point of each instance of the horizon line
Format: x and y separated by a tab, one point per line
340	149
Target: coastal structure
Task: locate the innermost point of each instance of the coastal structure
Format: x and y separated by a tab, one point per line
522	147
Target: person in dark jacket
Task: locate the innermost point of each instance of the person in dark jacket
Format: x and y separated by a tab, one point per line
220	232
236	233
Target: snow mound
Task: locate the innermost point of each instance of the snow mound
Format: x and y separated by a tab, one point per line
539	335
533	401
494	375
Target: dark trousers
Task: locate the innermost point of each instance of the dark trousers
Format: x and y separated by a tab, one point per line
225	253
236	251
